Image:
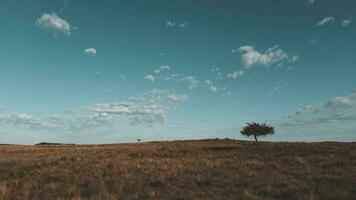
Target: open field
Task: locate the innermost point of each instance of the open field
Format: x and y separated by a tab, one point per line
207	169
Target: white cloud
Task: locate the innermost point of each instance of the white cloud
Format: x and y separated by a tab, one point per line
217	72
54	24
215	69
211	86
208	82
342	101
149	78
309	109
346	22
313	41
153	97
151	113
161	68
246	48
170	23
191	81
25	117
309	2
274	55
213	89
28	121
177	97
156	96
90	51
326	20
337	109
171	77
174	24
148	109
183	25
235	74
165	67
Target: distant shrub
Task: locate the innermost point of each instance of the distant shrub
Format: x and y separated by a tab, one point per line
47	144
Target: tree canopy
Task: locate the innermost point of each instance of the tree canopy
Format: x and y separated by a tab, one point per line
257	130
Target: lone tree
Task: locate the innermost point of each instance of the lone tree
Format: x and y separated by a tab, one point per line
257	130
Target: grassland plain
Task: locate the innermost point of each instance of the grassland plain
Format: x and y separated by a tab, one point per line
205	169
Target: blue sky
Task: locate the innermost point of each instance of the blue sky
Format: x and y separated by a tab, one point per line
112	71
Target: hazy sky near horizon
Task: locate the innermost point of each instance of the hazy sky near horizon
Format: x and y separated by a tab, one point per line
112	71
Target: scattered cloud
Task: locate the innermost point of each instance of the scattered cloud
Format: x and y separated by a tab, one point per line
217	72
325	21
342	101
54	24
171	77
172	23
211	87
191	81
273	55
149	78
337	109
139	114
147	109
308	2
215	69
53	123
156	96
161	68
175	97
235	74
183	25
346	22
90	51
208	82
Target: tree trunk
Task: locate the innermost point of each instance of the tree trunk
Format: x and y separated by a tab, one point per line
256	140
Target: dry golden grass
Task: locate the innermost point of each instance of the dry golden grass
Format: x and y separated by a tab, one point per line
208	169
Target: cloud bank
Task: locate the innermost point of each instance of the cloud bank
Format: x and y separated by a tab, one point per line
337	109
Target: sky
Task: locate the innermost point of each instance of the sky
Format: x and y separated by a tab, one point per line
112	71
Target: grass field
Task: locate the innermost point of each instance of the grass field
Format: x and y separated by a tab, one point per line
206	169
